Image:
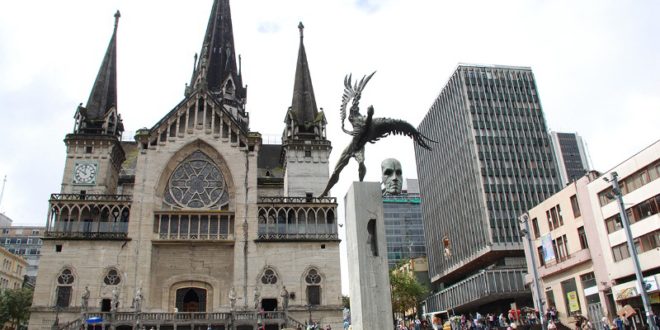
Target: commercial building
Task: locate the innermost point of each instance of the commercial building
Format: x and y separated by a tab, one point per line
24	241
640	185
404	229
571	155
584	264
196	224
493	161
568	257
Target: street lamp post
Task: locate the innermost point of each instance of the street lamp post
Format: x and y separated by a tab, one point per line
524	219
616	190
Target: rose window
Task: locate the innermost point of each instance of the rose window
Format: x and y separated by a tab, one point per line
269	277
197	183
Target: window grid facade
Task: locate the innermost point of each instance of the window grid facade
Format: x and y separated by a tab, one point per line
403	228
492	162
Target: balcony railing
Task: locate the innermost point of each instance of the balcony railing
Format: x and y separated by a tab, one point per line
297	200
213	226
563	263
88	216
169	319
88	230
90	197
297	219
480	287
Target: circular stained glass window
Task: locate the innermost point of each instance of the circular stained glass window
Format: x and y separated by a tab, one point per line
197	183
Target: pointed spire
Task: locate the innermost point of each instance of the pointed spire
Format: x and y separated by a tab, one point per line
104	93
218	56
303	105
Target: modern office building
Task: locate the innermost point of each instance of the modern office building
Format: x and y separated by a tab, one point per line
493	161
404	229
197	223
26	242
571	155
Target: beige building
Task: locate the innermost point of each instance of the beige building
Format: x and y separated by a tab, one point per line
568	260
640	186
12	271
196	224
584	264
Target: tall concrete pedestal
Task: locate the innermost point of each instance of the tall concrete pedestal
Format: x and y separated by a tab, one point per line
368	274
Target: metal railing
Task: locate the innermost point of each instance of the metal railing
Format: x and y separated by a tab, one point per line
297	200
90	197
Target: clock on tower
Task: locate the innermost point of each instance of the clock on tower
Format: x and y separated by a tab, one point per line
84	173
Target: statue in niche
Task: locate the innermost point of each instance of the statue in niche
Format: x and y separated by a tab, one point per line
257	297
84	303
232	298
392	178
137	300
285	298
114	302
366	129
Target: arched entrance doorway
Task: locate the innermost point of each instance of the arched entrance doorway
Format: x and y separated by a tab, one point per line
191	300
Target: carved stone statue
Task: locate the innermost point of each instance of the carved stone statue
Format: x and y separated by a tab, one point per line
84	302
392	176
232	298
137	300
257	297
285	298
114	302
366	129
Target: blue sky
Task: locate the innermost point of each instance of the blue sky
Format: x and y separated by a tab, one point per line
597	66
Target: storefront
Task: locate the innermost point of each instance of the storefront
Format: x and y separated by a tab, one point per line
629	301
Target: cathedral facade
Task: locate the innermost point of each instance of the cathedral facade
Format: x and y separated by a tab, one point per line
196	224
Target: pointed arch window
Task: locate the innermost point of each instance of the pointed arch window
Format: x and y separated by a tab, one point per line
64	284
313	280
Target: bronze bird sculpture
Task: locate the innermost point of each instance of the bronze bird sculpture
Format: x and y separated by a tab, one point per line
366	129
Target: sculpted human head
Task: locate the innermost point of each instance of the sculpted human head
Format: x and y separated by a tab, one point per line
392	178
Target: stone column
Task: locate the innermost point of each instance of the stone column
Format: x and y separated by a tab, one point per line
368	273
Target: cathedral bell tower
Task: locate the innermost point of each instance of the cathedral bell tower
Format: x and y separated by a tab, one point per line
94	153
305	148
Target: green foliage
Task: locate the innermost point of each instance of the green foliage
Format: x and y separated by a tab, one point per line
406	291
15	306
346	301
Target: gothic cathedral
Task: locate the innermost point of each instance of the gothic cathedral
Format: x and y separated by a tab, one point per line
196	224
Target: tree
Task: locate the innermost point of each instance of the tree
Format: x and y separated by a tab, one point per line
346	301
406	291
15	307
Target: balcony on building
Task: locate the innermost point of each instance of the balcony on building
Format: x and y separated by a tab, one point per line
194	226
283	219
562	263
88	217
484	287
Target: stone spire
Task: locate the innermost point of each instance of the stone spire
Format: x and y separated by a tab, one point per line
99	115
217	61
303	106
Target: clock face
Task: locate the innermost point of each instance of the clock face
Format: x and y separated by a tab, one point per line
84	173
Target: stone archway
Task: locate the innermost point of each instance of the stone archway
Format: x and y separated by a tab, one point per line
191	299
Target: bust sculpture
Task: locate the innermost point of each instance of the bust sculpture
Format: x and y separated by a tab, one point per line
392	179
